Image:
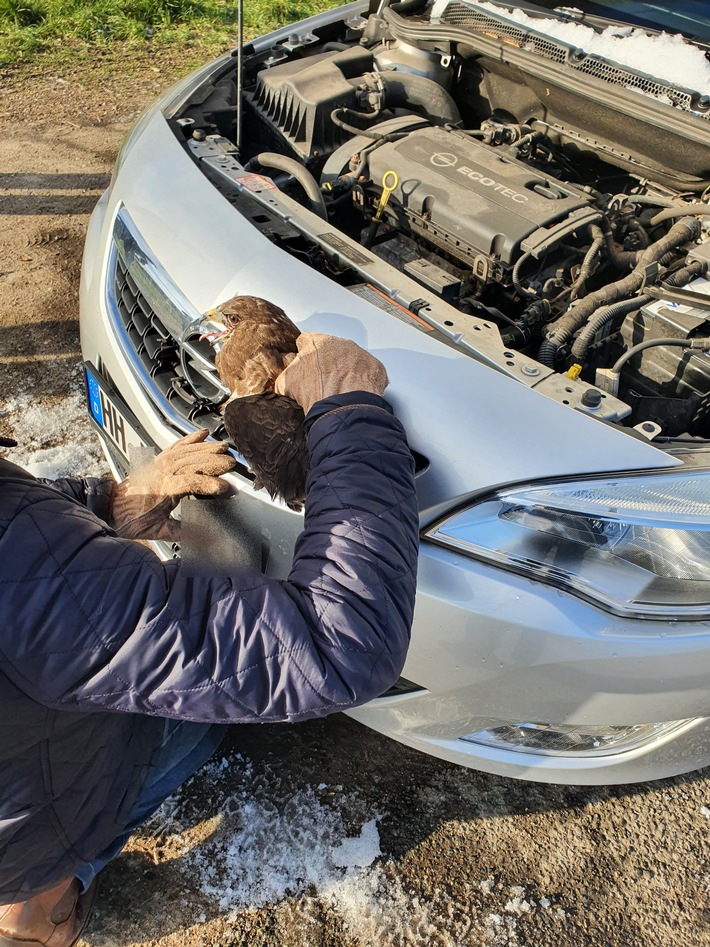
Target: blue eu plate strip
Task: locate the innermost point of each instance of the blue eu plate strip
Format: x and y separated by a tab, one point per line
94	398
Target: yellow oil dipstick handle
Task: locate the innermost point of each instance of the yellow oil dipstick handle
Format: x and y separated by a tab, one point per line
390	180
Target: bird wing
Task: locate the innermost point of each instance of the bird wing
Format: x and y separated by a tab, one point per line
267	430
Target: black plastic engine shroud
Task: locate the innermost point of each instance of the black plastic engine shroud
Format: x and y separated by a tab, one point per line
477	197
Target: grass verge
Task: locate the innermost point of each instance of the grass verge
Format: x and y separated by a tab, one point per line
65	29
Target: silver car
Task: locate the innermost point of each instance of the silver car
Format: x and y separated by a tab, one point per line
507	204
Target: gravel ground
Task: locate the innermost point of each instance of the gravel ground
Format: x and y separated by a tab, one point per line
324	834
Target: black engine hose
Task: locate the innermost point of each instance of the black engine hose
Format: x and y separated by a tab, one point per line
681	210
421	95
515	276
687	273
609	313
527	141
371	132
600	318
590	259
564	328
703	345
268	159
651	200
405	7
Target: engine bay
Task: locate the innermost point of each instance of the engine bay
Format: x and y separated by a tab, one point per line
545	205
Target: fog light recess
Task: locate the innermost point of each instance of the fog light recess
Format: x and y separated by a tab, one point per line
553	739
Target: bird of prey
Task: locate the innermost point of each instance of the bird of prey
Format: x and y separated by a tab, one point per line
259	341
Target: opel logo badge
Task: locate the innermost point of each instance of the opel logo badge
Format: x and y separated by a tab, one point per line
444	159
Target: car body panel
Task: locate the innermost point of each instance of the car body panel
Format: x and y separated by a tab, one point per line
541	437
486	644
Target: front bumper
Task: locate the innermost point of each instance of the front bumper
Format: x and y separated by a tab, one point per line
486	645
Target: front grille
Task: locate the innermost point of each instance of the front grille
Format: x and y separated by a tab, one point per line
159	331
460	14
180	369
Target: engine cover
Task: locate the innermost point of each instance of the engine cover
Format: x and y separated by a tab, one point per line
469	198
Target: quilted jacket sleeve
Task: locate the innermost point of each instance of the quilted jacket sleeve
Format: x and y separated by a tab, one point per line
98	623
92	492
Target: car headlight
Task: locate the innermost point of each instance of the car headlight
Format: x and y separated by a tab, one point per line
636	545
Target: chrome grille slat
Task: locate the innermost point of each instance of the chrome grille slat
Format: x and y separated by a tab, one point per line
154	322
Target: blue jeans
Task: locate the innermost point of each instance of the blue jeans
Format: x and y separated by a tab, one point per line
185	747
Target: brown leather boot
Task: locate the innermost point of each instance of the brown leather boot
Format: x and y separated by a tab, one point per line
54	918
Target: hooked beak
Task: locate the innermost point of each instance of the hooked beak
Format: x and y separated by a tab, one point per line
214	336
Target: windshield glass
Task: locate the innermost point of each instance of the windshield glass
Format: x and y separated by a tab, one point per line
691	17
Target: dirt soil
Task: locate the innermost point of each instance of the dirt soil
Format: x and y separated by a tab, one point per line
467	858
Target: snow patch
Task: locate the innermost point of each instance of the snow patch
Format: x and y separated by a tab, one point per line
667	57
269	847
359	852
518	903
55	437
500	931
266	852
318	849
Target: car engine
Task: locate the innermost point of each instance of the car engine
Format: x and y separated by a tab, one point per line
502	172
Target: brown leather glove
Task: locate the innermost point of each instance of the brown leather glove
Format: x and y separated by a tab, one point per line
142	503
325	366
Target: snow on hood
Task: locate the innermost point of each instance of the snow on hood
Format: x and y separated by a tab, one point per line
667	57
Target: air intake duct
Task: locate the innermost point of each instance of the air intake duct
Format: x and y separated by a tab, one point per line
297	100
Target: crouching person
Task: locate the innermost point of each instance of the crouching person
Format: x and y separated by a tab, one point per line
118	672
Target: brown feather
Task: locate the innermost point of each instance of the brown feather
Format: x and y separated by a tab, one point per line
254	354
266	428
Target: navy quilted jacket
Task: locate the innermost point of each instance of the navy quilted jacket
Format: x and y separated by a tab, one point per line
99	640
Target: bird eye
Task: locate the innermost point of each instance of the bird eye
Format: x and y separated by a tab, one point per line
233	318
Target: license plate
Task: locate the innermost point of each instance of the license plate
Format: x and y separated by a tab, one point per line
115	419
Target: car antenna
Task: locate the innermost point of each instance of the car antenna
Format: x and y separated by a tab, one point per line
240	78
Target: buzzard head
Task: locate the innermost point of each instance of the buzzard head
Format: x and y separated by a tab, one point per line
257	342
230	313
